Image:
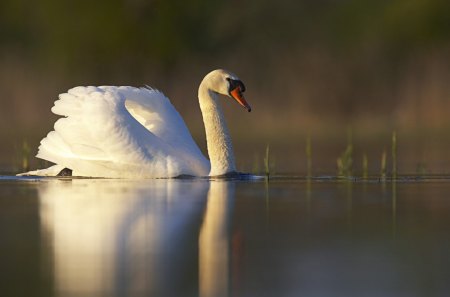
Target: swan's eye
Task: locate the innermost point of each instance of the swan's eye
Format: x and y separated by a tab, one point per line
234	84
241	84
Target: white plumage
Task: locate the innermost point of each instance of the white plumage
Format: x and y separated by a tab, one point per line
121	132
134	132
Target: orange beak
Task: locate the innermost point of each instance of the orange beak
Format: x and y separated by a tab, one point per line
237	95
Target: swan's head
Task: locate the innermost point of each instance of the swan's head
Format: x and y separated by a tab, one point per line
228	84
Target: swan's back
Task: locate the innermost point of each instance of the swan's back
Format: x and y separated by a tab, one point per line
121	132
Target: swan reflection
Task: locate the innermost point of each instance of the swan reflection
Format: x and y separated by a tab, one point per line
214	241
118	237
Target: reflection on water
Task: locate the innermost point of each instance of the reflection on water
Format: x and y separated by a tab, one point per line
214	241
122	238
224	238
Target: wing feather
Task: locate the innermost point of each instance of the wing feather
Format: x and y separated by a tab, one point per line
121	132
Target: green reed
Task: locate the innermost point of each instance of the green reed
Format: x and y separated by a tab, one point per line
23	156
345	161
394	154
383	165
267	162
365	166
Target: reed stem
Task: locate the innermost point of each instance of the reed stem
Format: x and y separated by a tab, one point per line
383	165
394	154
365	166
345	161
267	162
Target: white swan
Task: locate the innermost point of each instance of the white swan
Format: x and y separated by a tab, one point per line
136	132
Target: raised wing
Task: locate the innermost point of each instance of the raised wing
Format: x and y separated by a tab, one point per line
99	136
156	113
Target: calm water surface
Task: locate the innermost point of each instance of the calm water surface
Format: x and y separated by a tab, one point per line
96	237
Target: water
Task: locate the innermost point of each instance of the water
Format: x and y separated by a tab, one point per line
289	237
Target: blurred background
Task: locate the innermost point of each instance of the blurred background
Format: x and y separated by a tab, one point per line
336	72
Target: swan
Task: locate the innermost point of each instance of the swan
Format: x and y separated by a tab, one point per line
129	132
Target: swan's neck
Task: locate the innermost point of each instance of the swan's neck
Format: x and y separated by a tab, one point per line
220	149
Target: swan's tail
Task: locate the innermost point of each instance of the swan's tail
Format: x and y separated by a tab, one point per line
51	171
